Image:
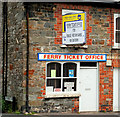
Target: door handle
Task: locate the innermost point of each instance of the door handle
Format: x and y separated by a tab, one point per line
87	89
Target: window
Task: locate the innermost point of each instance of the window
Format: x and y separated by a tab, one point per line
69	74
117	30
54	73
61	79
88	64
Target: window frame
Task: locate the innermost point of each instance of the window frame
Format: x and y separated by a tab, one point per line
116	45
64	93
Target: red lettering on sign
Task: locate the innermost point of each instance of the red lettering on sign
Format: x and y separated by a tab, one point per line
74	57
87	57
48	56
67	57
90	57
64	56
98	57
77	56
56	56
81	56
93	56
44	56
59	56
52	56
101	57
70	56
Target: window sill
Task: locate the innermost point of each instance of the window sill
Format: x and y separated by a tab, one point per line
74	46
116	48
62	95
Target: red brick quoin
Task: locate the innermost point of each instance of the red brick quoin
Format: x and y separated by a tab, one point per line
105	87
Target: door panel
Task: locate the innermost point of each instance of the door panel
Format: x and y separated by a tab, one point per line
88	89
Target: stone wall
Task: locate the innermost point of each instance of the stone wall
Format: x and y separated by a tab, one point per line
42	34
45	34
45	22
16	47
41	30
56	105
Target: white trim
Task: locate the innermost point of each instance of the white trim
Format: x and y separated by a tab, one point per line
116	88
78	77
65	11
97	86
116	45
88	67
60	77
61	93
74	46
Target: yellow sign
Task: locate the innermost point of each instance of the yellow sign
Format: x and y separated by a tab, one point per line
53	73
73	17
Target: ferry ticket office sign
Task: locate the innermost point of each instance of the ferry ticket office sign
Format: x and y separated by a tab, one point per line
73	27
71	57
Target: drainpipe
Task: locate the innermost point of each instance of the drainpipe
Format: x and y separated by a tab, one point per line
3	71
6	49
27	62
111	31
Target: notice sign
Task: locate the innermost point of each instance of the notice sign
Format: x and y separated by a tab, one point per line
70	57
57	89
73	27
53	73
71	73
49	89
69	86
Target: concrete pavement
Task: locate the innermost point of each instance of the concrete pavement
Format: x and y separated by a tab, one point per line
65	115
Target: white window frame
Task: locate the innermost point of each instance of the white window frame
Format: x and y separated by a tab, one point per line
116	45
61	93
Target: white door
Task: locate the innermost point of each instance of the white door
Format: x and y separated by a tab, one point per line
116	89
88	100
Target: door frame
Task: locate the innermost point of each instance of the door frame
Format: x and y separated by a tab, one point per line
97	85
116	89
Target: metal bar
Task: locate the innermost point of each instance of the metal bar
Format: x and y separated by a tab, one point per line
27	62
3	65
111	31
6	51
